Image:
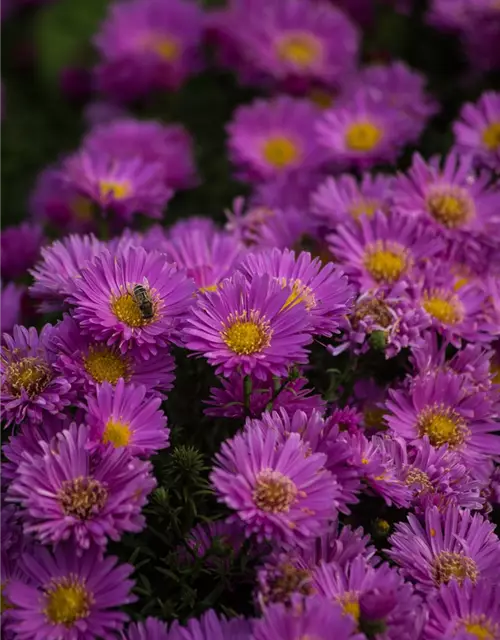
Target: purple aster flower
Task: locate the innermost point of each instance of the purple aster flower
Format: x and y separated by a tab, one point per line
291	395
323	289
221	534
373	596
88	362
128	418
150	629
369	398
60	264
20	247
307	617
124	186
148	45
297	45
56	203
208	258
269	138
459	204
106	307
151	141
402	89
448	547
321	436
477	131
287	191
31	387
277	490
464	611
343	199
11	296
386	319
10	572
212	627
383	250
442	408
455	313
360	132
103	111
67	493
249	328
69	597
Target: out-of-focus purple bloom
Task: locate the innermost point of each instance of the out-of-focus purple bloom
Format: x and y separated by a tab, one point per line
477	131
211	626
20	248
11	296
150	629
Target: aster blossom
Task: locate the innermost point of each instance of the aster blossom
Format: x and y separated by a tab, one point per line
11	298
15	263
105	306
31	387
69	597
276	490
69	493
127	417
211	626
453	546
248	327
323	289
150	629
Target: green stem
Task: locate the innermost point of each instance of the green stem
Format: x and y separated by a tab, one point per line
247	392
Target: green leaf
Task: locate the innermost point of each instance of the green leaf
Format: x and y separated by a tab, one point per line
62	33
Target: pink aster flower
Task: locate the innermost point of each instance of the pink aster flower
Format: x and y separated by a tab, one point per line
208	258
148	45
383	250
459	204
477	131
150	140
59	205
385	320
442	408
11	296
248	327
296	45
464	611
277	490
358	587
128	418
360	132
31	387
61	263
310	617
150	629
273	137
66	596
448	547
286	191
323	289
123	186
106	307
20	248
344	199
67	493
211	626
88	362
291	395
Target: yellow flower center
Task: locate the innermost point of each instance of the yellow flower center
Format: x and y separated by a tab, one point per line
274	492
363	136
247	334
322	98
300	293
418	480
68	600
119	190
350	605
442	425
482	628
450	206
374	418
82	208
128	311
386	262
29	375
444	306
105	364
301	49
117	432
287	580
491	136
280	152
364	207
82	497
449	564
167	48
